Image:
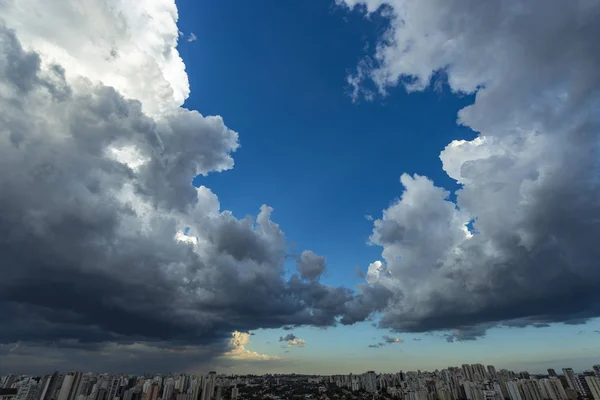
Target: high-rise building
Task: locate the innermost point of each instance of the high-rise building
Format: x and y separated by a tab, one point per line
27	390
530	389
168	390
468	372
560	388
85	386
8	381
197	388
572	380
569	375
75	386
552	389
208	389
467	386
551	372
65	388
593	384
513	390
235	392
47	386
479	372
491	372
370	381
113	387
584	385
597	370
546	391
152	392
94	392
524	375
180	383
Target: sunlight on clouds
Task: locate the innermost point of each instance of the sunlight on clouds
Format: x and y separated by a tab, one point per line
238	351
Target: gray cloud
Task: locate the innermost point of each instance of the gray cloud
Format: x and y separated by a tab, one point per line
96	197
528	181
467	333
310	265
289	336
292	340
386	340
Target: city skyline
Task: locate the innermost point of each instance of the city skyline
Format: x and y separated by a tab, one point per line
468	381
301	186
548	372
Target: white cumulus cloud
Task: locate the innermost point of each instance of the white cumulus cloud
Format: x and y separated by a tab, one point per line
129	45
238	343
521	236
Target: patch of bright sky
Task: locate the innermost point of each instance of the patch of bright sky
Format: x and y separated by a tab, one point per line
532	349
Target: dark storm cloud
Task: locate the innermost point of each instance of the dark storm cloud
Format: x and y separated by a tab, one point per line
88	254
529	186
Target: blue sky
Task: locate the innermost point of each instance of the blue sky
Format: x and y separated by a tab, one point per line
277	74
303	148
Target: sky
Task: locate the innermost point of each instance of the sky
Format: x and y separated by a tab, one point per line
323	186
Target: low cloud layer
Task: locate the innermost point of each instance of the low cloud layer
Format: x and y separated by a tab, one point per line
519	246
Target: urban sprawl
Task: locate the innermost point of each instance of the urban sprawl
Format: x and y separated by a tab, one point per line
468	382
